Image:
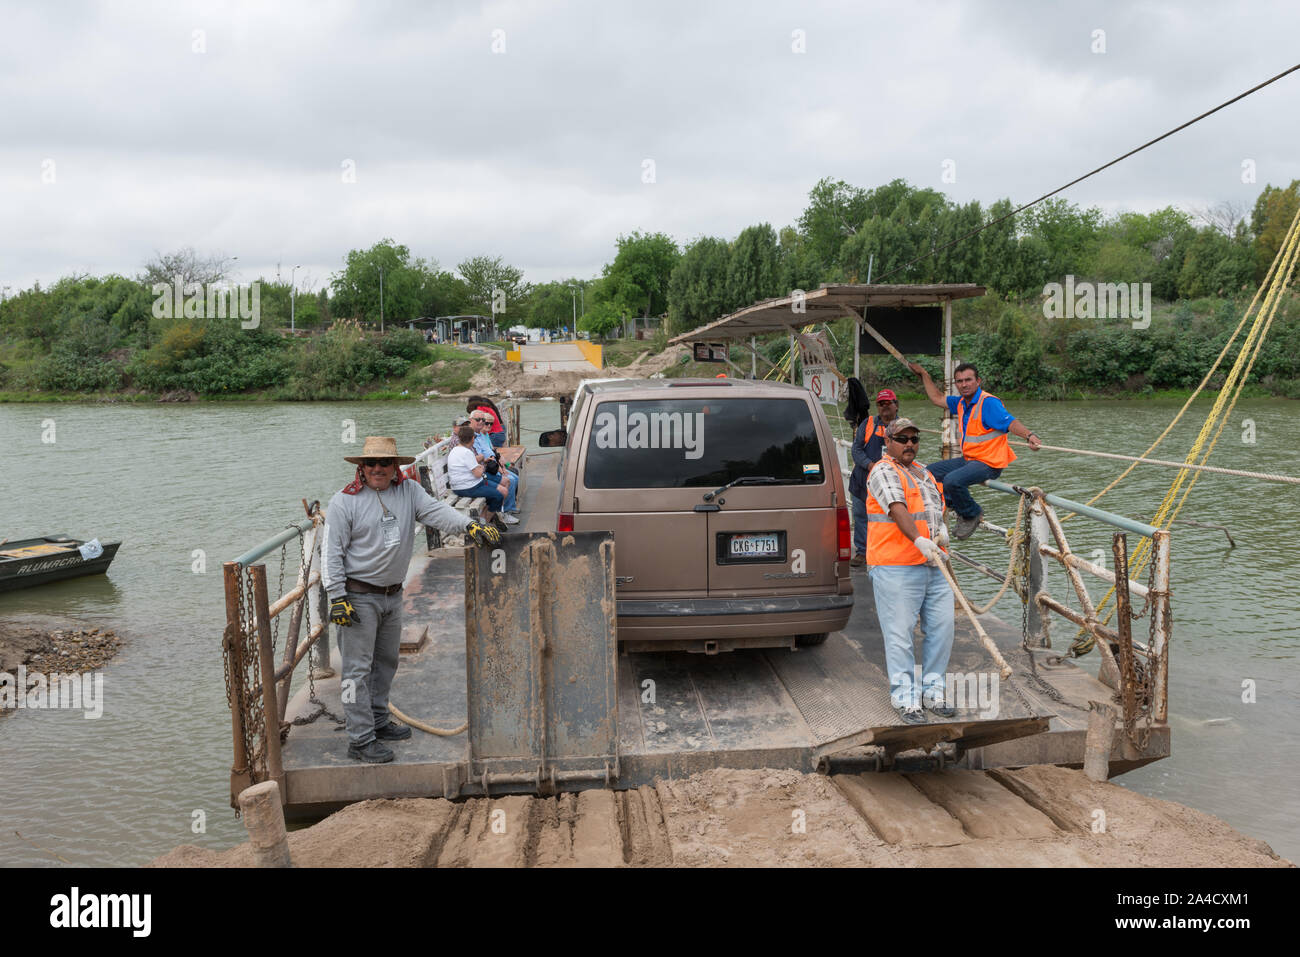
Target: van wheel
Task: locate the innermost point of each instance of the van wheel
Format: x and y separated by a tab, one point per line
808	641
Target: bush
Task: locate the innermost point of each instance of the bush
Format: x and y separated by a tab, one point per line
65	372
407	344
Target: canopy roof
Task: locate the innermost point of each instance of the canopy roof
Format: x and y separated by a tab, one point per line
825	304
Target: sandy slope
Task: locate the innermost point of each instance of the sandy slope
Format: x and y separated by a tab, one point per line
1037	816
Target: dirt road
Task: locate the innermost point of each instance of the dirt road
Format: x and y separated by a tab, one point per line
1039	817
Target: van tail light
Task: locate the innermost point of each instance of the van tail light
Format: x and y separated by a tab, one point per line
565	522
843	533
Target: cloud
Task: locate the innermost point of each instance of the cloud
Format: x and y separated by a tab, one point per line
536	153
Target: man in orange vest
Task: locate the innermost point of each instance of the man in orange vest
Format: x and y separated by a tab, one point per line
868	447
982	426
905	538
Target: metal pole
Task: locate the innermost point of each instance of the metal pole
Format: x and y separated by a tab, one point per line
381	300
270	709
948	423
753	357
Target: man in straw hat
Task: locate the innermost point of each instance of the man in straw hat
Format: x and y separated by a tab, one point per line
369	537
905	535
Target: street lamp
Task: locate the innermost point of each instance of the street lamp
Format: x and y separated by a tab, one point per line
575	309
381	297
292	290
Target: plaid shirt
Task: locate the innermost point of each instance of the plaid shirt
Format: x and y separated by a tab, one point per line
886	487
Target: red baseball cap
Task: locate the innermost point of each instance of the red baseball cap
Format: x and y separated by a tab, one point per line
886	395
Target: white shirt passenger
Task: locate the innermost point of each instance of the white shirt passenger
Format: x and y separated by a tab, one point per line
460	468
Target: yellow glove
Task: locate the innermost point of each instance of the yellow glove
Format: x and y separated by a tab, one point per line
482	535
342	613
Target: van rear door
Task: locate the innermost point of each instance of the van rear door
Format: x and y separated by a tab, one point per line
776	534
630	482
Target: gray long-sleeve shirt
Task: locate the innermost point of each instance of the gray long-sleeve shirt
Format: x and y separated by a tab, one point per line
354	539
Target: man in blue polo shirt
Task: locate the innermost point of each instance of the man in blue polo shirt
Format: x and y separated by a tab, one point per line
983	424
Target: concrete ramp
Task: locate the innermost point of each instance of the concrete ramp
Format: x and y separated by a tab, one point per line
554	357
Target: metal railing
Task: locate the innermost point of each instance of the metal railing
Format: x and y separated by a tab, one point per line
1138	671
249	647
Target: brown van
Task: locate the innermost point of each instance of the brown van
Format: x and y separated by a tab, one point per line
730	520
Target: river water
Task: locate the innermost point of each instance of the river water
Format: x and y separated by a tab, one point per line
186	487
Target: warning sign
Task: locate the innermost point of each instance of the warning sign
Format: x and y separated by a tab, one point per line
820	377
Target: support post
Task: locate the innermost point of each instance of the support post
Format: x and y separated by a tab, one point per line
753	357
241	774
295	619
1160	623
1039	532
1099	740
270	710
324	668
263	814
432	537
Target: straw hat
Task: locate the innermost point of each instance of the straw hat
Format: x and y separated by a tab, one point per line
379	447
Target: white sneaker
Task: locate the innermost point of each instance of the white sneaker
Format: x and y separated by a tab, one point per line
509	519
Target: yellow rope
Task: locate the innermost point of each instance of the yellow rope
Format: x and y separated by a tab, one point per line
1277	280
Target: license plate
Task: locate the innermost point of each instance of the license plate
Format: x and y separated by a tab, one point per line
755	546
739	547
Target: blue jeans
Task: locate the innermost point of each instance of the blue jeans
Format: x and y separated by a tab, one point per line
956	475
490	492
902	592
497	439
859	526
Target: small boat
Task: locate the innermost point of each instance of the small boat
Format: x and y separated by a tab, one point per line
38	561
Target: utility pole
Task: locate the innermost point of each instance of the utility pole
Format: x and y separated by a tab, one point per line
292	291
381	297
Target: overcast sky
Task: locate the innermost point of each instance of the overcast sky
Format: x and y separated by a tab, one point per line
126	132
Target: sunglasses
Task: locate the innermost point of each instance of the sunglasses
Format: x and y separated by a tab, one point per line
906	439
379	463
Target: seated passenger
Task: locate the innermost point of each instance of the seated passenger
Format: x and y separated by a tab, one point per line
465	475
488	458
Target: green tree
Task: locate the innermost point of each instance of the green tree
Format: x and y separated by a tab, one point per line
356	287
835	211
484	276
1274	210
602	318
697	286
754	267
638	276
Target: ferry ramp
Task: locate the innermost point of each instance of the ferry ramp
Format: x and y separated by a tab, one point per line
554	357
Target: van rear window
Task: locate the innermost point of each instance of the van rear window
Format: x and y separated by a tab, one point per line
697	443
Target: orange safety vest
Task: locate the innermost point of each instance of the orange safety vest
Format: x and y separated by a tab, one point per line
886	543
983	444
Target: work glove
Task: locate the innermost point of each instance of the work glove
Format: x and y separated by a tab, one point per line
342	613
929	549
941	536
482	535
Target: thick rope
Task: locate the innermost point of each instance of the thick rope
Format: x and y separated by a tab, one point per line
1142	460
985	640
441	732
